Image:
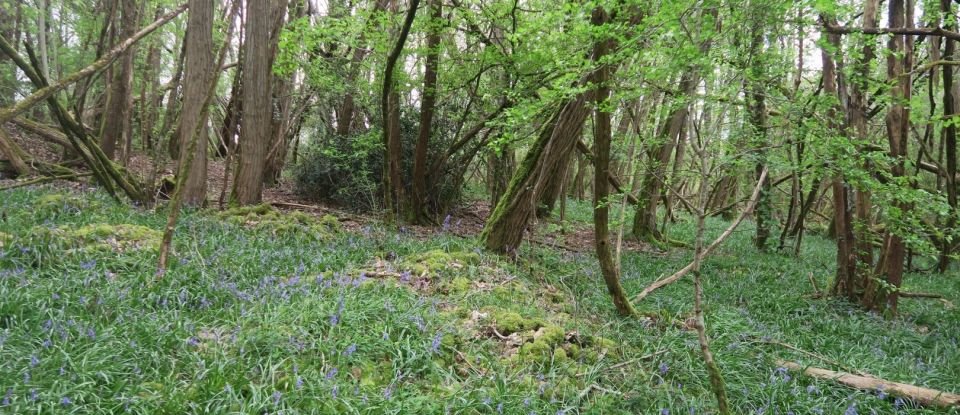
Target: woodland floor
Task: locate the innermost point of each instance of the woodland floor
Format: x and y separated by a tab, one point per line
349	316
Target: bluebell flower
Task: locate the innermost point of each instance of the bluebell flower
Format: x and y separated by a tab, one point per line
663	368
65	401
664	411
388	392
435	347
331	373
334	391
851	410
299	384
33	395
7	396
898	403
276	397
34	360
350	349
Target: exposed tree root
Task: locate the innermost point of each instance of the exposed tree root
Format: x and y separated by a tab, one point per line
924	396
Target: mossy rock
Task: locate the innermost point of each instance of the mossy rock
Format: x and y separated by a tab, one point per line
266	217
55	203
438	260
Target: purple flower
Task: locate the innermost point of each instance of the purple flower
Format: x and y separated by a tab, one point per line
350	349
334	319
299	384
500	408
47	343
334	391
331	373
33	395
65	401
276	397
34	361
851	410
663	368
435	347
526	401
446	223
898	403
7	396
388	392
91	333
193	342
664	411
405	276
89	264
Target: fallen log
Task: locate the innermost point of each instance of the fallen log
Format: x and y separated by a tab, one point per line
923	396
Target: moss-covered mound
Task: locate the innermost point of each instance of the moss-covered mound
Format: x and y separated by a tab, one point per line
266	217
53	204
439	261
95	237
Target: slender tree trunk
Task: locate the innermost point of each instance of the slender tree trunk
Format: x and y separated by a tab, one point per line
601	165
877	297
257	106
390	111
845	281
120	98
198	71
949	133
432	64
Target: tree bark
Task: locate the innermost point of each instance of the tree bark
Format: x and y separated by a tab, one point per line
390	113
198	71
257	106
432	64
884	297
601	164
116	120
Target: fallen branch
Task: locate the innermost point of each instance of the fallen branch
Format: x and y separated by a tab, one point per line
44	179
813	282
924	396
935	296
729	231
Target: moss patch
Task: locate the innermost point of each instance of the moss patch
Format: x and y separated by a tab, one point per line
266	217
96	237
52	204
5	239
437	260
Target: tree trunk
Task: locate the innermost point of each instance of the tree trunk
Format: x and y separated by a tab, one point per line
116	120
419	179
845	282
257	106
390	111
884	297
504	229
198	71
282	92
601	164
949	133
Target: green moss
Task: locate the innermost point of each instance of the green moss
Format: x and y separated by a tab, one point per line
96	237
52	204
560	355
5	239
265	217
508	322
551	335
459	285
536	352
438	260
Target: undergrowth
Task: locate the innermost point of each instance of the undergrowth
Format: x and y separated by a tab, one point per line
253	320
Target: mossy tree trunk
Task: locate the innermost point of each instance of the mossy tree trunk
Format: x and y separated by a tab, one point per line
504	229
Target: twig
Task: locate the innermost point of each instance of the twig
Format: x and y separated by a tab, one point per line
679	274
813	282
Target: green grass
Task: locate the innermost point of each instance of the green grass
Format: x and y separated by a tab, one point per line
247	321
